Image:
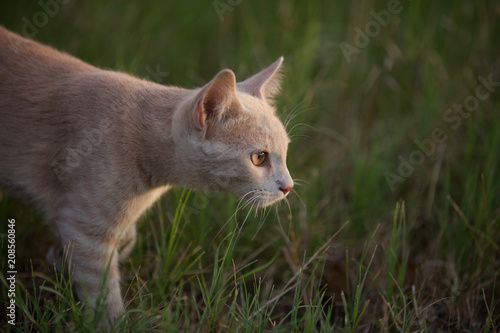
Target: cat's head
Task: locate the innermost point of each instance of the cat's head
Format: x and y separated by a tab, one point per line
232	140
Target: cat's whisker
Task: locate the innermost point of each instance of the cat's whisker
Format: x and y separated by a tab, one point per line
295	111
243	203
292	114
298	196
301	180
240	206
259	208
278	203
281	226
244	196
292	135
289	208
246	203
290	131
258	211
264	218
252	200
248	214
298	137
266	212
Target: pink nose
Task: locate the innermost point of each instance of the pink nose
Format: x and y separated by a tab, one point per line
286	189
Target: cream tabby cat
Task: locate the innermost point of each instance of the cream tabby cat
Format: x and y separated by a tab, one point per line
95	148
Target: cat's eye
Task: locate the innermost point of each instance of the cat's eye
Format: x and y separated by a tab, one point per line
258	158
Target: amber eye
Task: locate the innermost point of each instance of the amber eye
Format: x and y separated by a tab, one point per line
258	158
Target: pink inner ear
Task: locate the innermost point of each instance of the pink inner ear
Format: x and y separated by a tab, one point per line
201	116
215	98
257	92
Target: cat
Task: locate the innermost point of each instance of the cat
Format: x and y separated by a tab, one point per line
95	148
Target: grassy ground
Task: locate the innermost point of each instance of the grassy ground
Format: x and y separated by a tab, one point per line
396	223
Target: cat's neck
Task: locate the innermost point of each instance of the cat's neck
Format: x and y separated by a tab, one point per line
159	159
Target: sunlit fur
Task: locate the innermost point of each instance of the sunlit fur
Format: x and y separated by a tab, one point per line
95	148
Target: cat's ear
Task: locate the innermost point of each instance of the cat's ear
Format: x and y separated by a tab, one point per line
265	84
215	98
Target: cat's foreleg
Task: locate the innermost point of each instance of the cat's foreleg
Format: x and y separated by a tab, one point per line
94	263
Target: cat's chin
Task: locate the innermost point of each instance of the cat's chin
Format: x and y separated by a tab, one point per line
261	198
271	202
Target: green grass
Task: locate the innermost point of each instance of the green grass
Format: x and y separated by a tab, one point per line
422	257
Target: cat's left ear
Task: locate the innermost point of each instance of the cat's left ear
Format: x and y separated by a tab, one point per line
216	98
265	84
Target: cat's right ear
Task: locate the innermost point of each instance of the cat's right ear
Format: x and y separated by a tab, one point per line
215	98
264	84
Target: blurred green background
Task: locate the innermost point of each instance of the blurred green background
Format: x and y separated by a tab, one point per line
366	84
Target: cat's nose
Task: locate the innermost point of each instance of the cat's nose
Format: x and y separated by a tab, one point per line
285	190
286	183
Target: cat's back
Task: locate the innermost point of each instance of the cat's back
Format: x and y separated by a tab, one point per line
32	77
24	57
51	101
31	74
